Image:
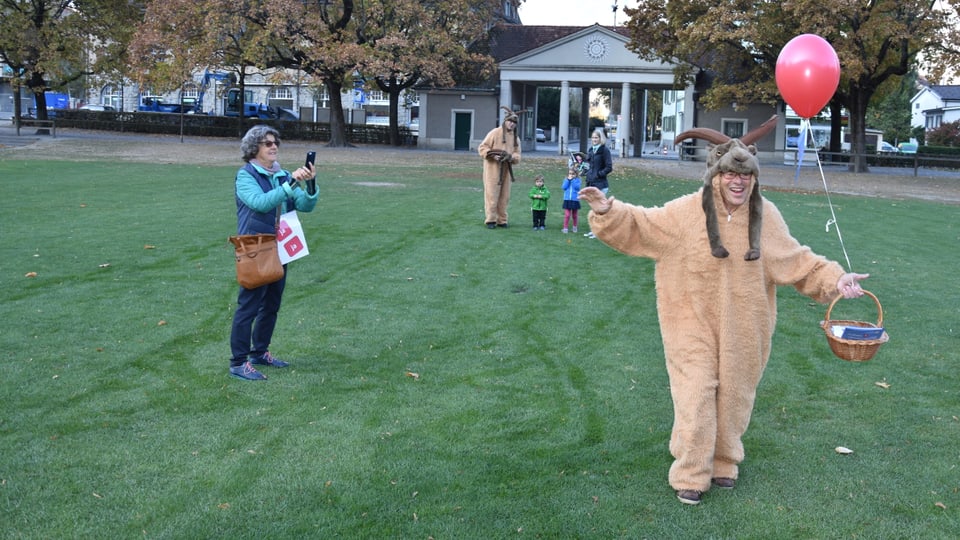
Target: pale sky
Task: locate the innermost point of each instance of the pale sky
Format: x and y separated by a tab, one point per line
573	12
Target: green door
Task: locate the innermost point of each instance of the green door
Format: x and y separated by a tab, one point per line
461	131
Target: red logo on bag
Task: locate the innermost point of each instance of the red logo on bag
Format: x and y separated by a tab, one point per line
283	230
294	246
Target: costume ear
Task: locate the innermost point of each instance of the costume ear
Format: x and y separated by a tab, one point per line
752	149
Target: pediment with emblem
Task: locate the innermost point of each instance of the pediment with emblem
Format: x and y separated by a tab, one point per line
594	47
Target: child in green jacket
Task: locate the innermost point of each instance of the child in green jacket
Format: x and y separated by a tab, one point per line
538	203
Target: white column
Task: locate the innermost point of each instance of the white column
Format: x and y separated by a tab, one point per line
506	98
563	130
623	128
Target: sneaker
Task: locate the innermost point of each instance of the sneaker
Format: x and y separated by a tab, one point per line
503	225
564	231
247	372
542	228
491	225
590	235
688	496
268	360
724	483
574	229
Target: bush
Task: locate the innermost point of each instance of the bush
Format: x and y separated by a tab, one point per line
945	135
201	125
942	151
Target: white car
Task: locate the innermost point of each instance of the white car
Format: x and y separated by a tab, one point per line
887	148
93	107
541	136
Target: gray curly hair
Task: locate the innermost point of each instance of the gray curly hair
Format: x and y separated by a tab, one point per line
250	144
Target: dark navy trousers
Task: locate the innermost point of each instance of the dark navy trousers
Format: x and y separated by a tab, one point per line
255	319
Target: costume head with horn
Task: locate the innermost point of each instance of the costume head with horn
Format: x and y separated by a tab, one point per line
511	117
735	157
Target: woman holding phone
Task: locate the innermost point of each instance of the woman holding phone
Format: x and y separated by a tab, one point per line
263	190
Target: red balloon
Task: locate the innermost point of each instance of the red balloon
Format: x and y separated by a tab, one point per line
808	72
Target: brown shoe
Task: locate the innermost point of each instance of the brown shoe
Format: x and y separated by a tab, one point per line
688	496
724	483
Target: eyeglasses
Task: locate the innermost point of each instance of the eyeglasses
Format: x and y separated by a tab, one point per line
730	175
268	143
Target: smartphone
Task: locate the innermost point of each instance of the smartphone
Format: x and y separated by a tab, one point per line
311	183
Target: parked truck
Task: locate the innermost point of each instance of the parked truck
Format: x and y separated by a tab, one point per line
231	107
55	100
156	104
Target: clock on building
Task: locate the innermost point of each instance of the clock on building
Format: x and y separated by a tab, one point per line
596	49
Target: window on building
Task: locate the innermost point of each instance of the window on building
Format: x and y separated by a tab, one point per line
188	94
280	96
110	95
669	123
281	92
323	98
733	128
376	95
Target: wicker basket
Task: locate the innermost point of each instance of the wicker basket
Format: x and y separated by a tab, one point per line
854	350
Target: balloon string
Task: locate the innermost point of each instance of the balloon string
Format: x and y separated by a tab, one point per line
833	215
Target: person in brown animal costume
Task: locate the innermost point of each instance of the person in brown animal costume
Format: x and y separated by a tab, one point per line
500	150
717	315
733	156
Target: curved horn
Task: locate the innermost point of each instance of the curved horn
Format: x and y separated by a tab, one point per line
761	132
707	134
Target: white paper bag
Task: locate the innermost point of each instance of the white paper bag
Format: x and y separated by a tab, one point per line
291	242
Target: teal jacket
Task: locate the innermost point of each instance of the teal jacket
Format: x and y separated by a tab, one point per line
259	192
539	203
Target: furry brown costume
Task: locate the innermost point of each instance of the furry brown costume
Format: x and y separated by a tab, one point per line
717	317
732	155
500	150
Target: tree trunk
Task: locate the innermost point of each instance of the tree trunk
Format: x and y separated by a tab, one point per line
857	109
394	94
38	87
394	86
836	130
243	105
338	129
17	104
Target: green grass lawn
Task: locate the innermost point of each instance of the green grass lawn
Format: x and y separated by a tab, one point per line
447	381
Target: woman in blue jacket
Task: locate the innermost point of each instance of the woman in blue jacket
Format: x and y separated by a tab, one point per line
262	189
